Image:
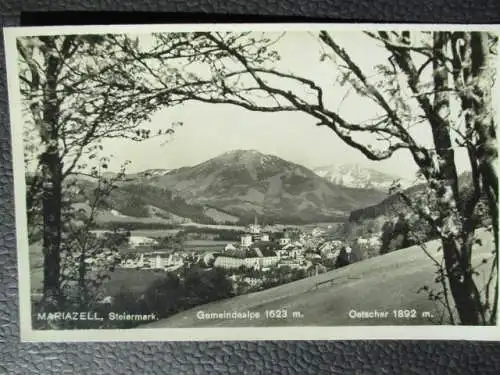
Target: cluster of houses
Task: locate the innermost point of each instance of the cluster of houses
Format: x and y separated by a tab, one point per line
258	249
156	261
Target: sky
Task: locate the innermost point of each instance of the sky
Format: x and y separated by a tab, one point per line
209	130
212	129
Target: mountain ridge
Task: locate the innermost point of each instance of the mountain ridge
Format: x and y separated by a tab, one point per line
355	175
262	183
237	185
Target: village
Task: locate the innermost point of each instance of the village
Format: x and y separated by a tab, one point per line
264	255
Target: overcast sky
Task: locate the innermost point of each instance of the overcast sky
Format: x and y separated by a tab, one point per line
211	129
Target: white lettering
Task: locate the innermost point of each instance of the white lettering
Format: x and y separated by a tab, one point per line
375	314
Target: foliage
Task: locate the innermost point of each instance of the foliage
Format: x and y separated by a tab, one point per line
172	294
440	81
342	259
173	242
78	91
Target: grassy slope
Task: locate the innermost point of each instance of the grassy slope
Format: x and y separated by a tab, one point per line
385	283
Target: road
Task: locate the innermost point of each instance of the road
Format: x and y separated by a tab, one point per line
385	283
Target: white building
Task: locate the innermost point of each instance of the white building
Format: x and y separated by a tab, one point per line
157	262
264	237
174	260
316	232
246	240
129	263
284	241
254	228
255	262
136	241
296	253
133	263
282	253
292	263
329	248
140	262
229	247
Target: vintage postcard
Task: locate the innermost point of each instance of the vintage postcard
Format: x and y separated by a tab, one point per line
256	181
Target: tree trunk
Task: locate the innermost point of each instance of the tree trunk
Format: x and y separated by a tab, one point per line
52	181
51	225
462	286
484	123
82	271
456	250
440	121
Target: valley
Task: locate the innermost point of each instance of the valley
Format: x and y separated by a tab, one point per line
230	189
274	235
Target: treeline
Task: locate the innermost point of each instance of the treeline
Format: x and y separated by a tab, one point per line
132	225
133	199
391	204
220	234
271	219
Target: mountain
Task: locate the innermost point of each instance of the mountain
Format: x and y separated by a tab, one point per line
390	206
355	176
232	188
246	183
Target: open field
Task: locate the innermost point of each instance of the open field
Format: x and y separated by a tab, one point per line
212	226
204	244
385	283
154	232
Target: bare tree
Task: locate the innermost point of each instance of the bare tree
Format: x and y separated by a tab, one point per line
77	90
439	81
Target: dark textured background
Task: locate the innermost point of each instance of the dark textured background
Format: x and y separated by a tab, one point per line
234	357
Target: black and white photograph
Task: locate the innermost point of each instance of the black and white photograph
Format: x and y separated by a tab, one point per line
246	181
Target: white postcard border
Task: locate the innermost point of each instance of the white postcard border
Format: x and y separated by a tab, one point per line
27	334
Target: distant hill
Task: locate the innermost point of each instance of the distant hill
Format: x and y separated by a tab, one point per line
234	188
394	204
355	176
246	183
134	202
389	206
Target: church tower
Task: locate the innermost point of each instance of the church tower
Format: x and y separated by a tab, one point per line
254	229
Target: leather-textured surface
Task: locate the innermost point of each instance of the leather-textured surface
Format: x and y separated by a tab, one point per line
389	357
